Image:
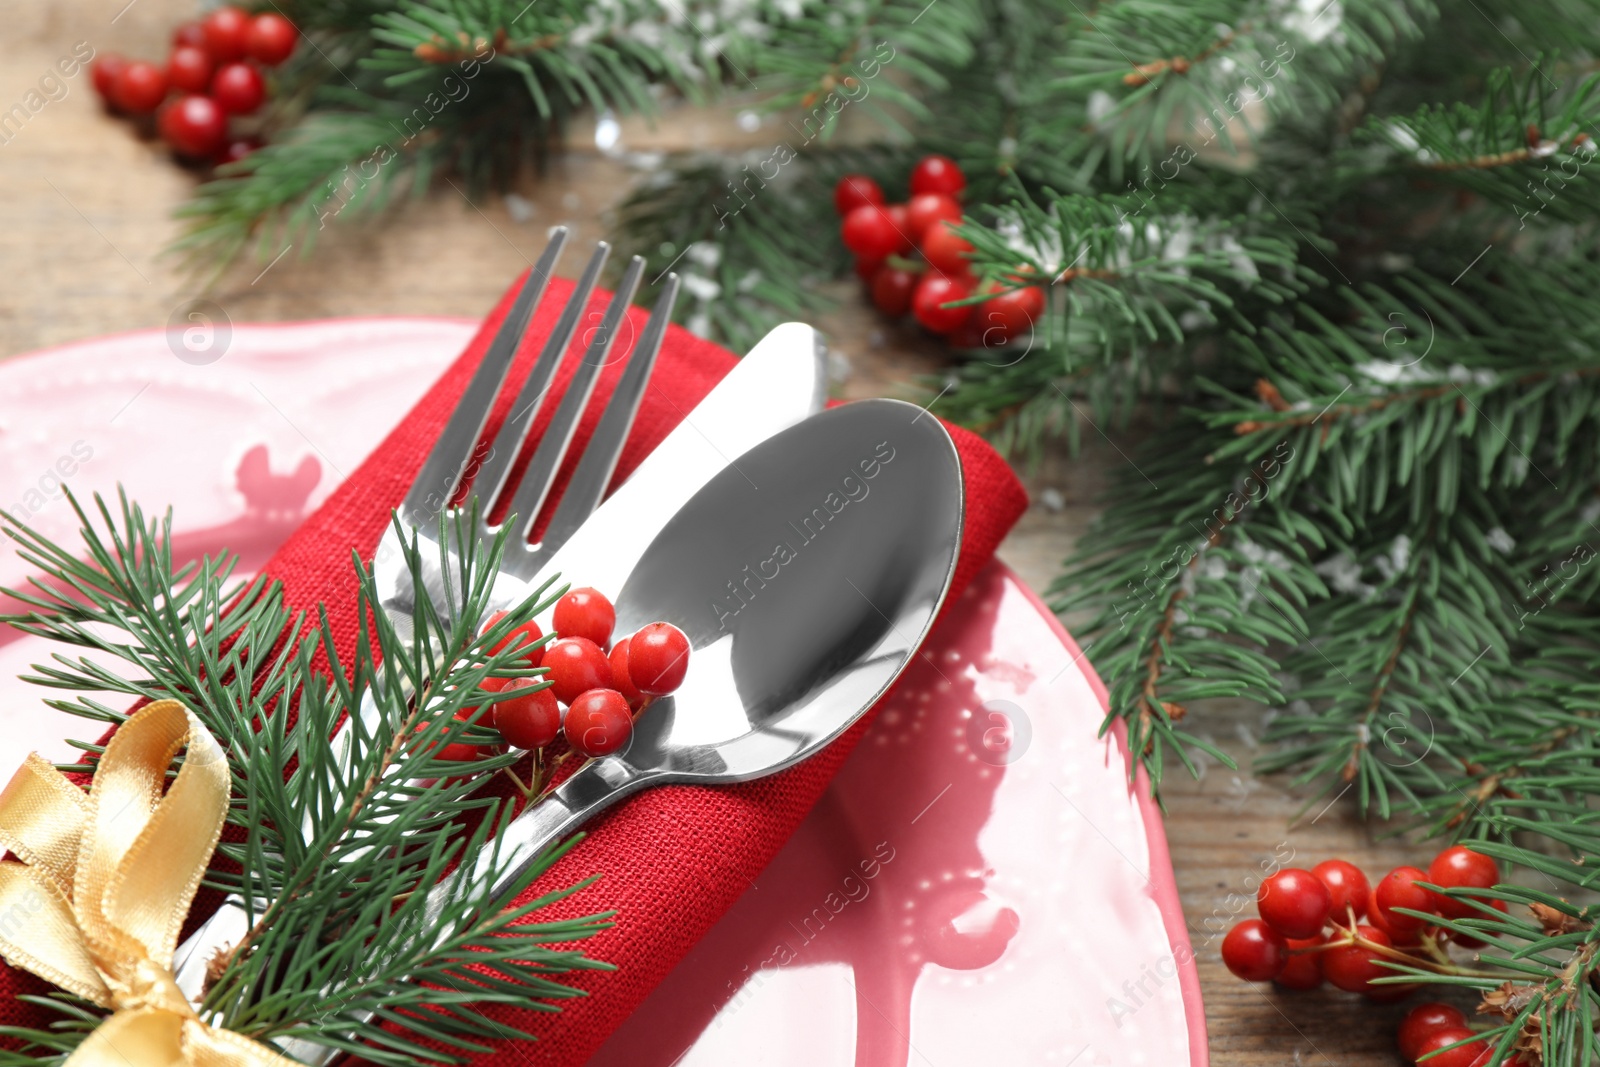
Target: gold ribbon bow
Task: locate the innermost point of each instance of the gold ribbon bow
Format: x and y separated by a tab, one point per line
105	880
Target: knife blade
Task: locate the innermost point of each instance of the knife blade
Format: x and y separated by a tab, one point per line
780	382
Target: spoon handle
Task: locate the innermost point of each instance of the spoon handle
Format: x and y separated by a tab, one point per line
595	786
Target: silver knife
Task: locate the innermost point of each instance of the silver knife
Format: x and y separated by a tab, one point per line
780	382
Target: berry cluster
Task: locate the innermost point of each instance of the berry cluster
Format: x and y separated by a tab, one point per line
603	687
1310	930
214	72
884	236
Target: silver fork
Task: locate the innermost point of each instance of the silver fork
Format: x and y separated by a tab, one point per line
454	453
451	462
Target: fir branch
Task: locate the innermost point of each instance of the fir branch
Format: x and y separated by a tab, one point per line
399	94
1134	289
830	56
1504	149
742	234
1156	76
335	848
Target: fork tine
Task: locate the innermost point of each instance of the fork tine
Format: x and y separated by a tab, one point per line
599	459
491	479
535	487
436	482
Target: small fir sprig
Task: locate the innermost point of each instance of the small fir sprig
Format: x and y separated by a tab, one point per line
332	854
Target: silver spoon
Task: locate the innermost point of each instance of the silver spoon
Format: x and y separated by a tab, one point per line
799	616
805	575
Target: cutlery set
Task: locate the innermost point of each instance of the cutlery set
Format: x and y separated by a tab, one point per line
805	553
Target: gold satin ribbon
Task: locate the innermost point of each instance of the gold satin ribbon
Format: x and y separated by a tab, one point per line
104	881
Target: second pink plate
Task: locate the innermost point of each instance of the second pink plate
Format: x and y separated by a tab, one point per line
981	883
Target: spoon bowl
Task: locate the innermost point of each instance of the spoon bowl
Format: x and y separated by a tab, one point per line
805	576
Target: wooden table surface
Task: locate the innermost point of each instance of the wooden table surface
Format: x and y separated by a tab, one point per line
85	209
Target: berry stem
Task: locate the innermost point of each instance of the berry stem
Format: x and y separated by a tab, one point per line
549	785
1442	965
524	789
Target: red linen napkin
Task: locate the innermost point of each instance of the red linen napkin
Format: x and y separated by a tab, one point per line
674	858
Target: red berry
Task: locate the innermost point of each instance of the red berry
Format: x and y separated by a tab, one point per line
455	751
1390	993
530	720
1294	902
576	665
968	335
869	232
194	126
271	39
937	174
900	215
1352	967
1409	937
1460	867
658	658
585	613
1008	315
238	88
1254	951
525	636
1304	969
945	250
1468	1055
867	268
189	35
935	290
1374	916
598	723
189	69
1348	888
892	289
925	209
140	87
234	151
1399	890
1467	940
104	71
1422	1022
853	191
621	675
226	31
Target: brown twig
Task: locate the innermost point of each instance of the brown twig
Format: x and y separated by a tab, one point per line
1073	273
1337	411
1149	697
1341	410
1504	159
1145	73
1495	783
1380	688
442	50
830	79
403	735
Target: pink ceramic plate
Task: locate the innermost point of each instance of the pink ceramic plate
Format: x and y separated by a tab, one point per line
980	884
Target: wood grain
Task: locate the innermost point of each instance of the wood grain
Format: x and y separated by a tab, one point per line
84	215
